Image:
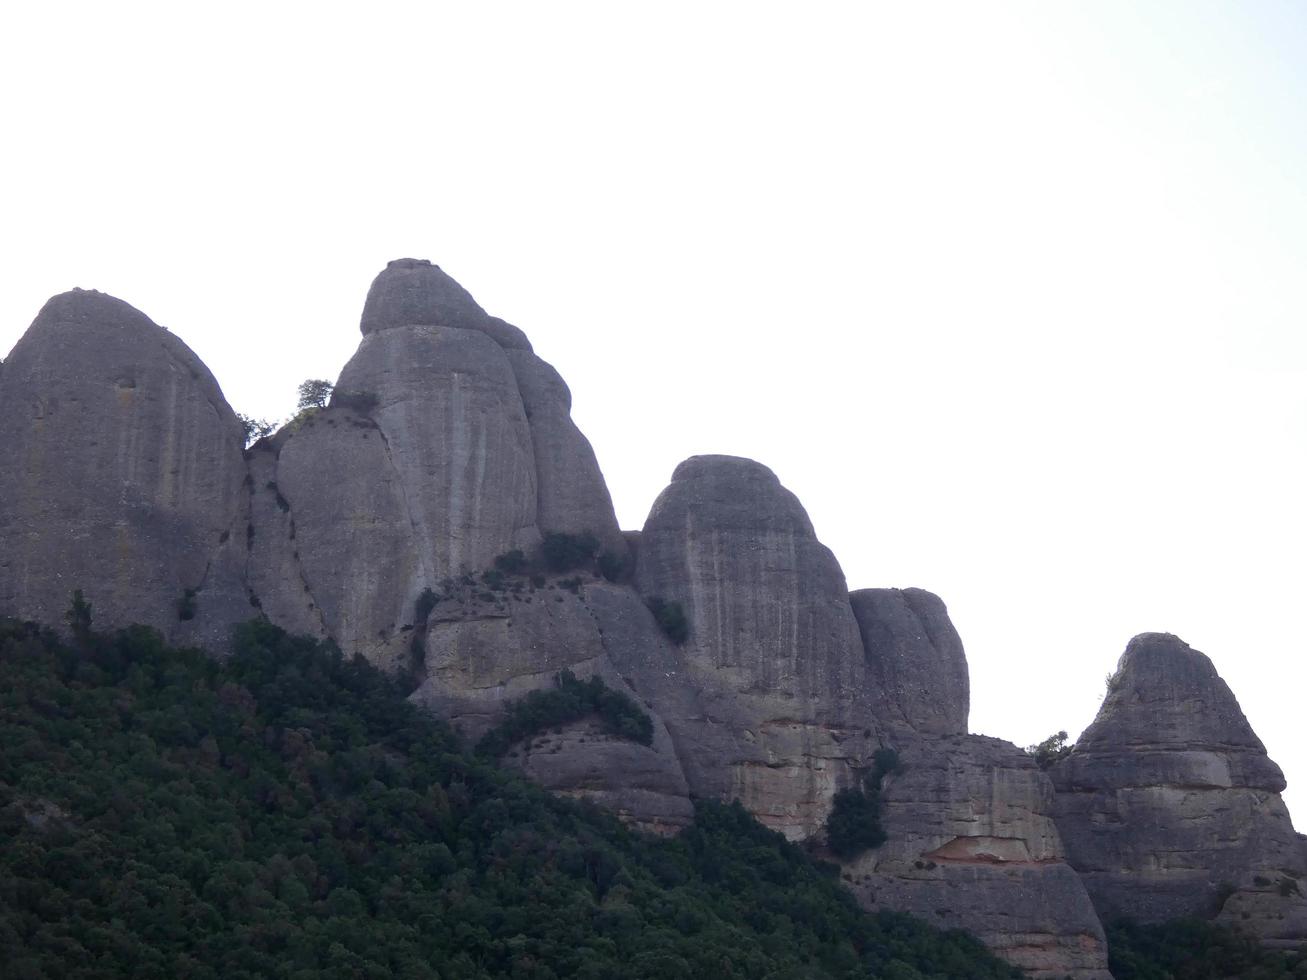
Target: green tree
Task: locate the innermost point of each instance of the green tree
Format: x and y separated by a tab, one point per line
1050	750
314	393
255	429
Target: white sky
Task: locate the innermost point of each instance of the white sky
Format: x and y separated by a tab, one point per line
1012	295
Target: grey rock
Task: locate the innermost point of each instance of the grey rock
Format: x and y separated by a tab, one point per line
915	659
353	538
1169	805
414	292
452	418
123	474
972	845
485	648
571	495
274	576
780	714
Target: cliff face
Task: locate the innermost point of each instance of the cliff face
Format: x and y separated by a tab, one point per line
1170	806
123	474
781	716
377	522
915	660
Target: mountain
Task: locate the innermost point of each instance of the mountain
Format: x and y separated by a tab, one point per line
444	518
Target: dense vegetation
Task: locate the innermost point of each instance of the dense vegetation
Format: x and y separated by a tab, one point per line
1192	950
570	700
563	552
286	814
671	619
1050	750
853	824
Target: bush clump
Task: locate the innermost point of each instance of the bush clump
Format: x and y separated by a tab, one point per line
853	825
569	701
361	402
563	552
671	619
1050	750
1190	949
513	563
613	567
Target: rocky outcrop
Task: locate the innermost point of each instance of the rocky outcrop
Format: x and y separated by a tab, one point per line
357	568
376	523
492	639
779	716
1170	807
571	495
122	476
971	844
416	293
448	407
915	660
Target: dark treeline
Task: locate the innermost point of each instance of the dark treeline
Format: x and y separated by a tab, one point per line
1194	950
285	813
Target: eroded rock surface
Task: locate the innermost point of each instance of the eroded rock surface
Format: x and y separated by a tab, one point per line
122	475
780	715
915	659
487	643
449	410
972	845
1170	807
571	495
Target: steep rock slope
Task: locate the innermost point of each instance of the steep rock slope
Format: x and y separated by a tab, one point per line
780	715
968	820
448	444
123	474
915	659
781	694
971	843
1170	807
485	643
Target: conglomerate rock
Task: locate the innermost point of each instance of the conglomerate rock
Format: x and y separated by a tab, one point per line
1170	807
915	659
448	408
571	495
122	475
971	844
486	642
780	715
376	523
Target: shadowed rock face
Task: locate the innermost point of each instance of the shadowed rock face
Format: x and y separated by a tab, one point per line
915	659
123	474
779	716
1169	805
972	844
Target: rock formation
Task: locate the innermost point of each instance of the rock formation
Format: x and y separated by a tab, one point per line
377	523
122	474
1170	807
781	715
914	659
971	844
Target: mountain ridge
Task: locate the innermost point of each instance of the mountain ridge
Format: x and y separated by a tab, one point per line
450	445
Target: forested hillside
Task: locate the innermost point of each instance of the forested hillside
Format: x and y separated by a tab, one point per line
285	813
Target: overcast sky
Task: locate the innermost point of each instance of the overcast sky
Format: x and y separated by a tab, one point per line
1012	295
